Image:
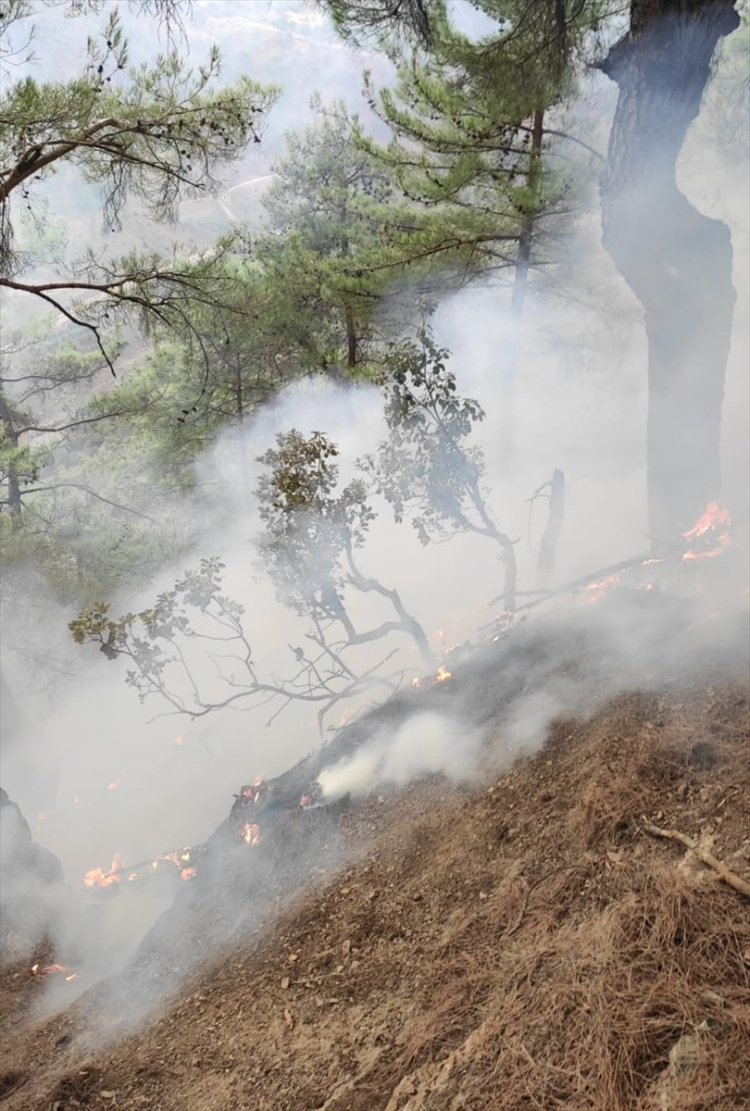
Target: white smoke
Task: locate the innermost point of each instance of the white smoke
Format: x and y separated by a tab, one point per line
426	744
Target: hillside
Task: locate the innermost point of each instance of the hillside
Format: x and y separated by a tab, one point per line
518	941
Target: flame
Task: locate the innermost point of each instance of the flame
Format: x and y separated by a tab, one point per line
442	674
178	740
714	518
250	833
51	969
251	791
305	800
598	589
76	800
416	683
114	785
187	873
98	878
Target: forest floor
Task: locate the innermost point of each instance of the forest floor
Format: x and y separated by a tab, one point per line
521	943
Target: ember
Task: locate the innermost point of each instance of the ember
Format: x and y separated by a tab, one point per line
51	969
599	589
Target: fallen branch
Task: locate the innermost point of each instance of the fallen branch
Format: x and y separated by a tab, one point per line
724	873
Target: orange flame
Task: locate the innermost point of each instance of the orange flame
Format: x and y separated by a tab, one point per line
187	873
98	878
51	969
416	683
114	785
598	589
250	833
712	520
442	674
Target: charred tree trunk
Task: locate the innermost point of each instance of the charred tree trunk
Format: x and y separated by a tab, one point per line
548	547
677	261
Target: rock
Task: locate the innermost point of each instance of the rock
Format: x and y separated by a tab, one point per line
346	947
285	983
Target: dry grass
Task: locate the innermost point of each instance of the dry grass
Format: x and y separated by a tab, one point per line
521	947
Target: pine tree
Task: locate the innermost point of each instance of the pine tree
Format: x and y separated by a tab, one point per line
157	133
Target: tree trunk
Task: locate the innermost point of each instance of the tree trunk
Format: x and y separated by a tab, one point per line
351	337
523	258
677	261
14	492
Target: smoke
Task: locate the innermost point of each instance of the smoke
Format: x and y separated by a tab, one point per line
97	774
426	744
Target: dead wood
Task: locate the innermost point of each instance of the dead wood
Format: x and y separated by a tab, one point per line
548	546
724	873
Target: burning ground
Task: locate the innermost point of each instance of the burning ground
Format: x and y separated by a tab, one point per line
512	931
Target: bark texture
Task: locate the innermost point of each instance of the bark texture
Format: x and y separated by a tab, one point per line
677	261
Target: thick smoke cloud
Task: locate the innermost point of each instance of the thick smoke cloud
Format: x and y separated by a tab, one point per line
98	774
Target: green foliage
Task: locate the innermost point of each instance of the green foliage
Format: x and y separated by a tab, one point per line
149	639
425	469
157	133
468	125
311	528
325	211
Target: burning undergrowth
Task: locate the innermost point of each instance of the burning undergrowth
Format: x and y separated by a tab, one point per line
283	836
526	937
652	625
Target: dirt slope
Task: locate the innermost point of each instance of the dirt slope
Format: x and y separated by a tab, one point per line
520	944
